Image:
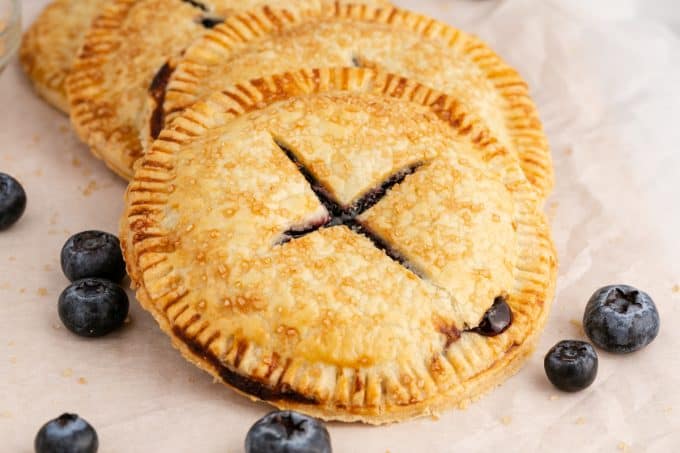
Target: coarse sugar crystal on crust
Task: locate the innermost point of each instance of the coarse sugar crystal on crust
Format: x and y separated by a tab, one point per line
324	240
124	50
266	41
51	43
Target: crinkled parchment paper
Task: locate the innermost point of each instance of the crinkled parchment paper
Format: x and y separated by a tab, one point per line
606	77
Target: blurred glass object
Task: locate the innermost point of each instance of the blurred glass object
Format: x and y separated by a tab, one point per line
10	30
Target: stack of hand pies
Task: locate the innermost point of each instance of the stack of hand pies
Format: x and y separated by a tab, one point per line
333	207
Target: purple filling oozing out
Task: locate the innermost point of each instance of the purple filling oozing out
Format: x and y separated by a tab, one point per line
341	215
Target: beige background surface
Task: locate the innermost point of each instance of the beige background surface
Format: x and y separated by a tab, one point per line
605	77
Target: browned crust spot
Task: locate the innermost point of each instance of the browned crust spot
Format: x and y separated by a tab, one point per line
451	333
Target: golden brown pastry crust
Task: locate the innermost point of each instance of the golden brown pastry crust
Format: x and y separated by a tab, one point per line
268	41
183	208
123	51
51	43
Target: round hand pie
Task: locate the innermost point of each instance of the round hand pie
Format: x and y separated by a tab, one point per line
50	45
341	242
268	41
123	51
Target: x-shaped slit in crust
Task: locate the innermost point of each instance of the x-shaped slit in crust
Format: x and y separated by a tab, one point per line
497	318
347	215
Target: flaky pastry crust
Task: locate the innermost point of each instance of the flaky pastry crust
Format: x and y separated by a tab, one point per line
51	43
221	237
123	50
267	41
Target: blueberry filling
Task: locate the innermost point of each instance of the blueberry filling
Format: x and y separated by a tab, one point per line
211	22
496	320
251	386
196	4
332	206
374	196
380	244
157	90
298	232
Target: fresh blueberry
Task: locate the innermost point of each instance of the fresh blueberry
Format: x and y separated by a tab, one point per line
66	434
12	201
571	365
288	432
621	319
93	254
93	307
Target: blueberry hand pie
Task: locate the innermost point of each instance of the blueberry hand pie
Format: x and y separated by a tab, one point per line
268	41
342	242
50	45
126	47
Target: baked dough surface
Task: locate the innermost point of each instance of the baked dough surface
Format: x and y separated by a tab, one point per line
329	322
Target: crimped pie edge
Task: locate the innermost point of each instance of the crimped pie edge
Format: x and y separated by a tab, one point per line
140	234
49	77
95	123
522	117
89	122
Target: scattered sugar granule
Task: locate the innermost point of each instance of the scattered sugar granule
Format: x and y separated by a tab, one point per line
581	421
82	381
506	420
554	397
67	373
42	292
90	188
623	446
